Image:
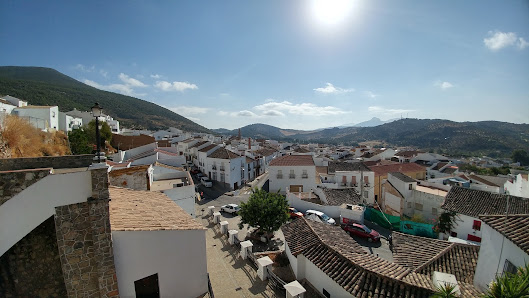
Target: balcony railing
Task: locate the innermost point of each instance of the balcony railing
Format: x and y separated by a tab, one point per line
304	176
222	169
279	176
354	184
214	167
292	176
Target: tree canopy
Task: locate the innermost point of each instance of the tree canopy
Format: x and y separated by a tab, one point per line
264	211
521	156
83	139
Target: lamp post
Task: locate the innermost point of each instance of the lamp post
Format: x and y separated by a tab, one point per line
96	112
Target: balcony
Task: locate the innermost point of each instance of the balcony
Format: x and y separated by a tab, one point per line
222	169
214	167
354	184
304	176
292	176
279	176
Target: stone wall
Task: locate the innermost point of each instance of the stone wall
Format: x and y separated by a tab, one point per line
12	183
56	162
32	267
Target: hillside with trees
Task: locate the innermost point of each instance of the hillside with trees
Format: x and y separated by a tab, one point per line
46	86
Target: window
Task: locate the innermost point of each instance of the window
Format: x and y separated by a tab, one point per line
477	225
326	294
366	194
147	287
292	175
434	211
418	207
304	174
376	198
453	234
509	267
410	186
279	174
409	204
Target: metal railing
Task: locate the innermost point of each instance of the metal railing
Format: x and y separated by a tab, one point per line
253	260
304	176
279	176
276	282
210	288
292	176
222	169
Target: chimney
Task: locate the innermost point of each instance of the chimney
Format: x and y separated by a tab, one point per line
249	143
239	137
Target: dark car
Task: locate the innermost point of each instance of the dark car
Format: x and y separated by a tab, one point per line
294	213
362	231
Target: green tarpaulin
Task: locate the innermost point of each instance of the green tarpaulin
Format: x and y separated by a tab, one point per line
384	220
417	229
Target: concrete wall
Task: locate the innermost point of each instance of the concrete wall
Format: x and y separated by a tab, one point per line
184	197
136	180
179	258
50	115
292	260
56	162
32	267
320	280
494	250
36	203
463	226
392	204
303	206
428	201
518	187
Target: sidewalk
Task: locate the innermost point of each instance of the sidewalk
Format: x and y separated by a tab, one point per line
230	275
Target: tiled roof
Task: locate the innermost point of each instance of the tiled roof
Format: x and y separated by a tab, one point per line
133	210
408	153
301	150
207	148
383	170
164	143
223	153
403	177
122	142
490	180
425	255
166	152
348	264
449	170
473	202
293	160
198	144
188	140
265	151
439	165
514	227
347	166
249	159
337	197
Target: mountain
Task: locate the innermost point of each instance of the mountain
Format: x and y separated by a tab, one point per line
369	123
46	86
490	138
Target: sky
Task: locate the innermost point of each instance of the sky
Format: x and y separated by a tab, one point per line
292	64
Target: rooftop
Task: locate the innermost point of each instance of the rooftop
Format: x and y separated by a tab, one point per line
383	170
132	210
293	160
347	167
130	170
337	197
513	227
402	177
223	153
207	148
473	202
408	153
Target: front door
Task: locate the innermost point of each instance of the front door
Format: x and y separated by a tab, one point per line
147	287
296	188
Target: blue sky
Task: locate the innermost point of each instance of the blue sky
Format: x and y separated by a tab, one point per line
292	64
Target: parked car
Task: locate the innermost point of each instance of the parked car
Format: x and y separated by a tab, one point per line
206	182
230	208
322	216
294	213
362	231
200	175
195	171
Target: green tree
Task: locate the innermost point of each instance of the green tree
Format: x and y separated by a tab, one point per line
521	156
446	291
510	285
446	222
104	132
80	141
264	211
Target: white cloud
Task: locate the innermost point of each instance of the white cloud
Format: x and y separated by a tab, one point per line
305	109
444	85
83	68
498	40
189	110
384	111
370	94
245	113
156	76
174	86
331	89
522	43
103	72
222	113
131	81
273	113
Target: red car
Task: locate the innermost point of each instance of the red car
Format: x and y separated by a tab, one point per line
294	213
362	231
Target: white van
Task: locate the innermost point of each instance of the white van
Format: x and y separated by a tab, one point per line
206	182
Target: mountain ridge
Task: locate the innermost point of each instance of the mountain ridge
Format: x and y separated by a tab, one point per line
47	86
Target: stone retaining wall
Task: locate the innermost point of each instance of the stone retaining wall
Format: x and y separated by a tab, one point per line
12	183
56	162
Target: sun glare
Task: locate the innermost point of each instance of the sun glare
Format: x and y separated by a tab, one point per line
331	12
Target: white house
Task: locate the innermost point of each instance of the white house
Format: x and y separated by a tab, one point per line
6	107
225	166
68	123
350	175
14	101
295	172
158	247
469	204
503	249
87	117
517	186
43	117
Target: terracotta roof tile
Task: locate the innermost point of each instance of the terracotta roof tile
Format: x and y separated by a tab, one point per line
382	170
132	210
473	202
135	169
207	148
293	160
337	197
514	227
223	153
403	177
347	166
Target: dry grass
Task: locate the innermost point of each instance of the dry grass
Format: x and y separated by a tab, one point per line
24	140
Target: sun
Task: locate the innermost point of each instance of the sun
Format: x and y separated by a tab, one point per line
331	12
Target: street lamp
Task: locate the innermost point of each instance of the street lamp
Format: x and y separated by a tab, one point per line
96	112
